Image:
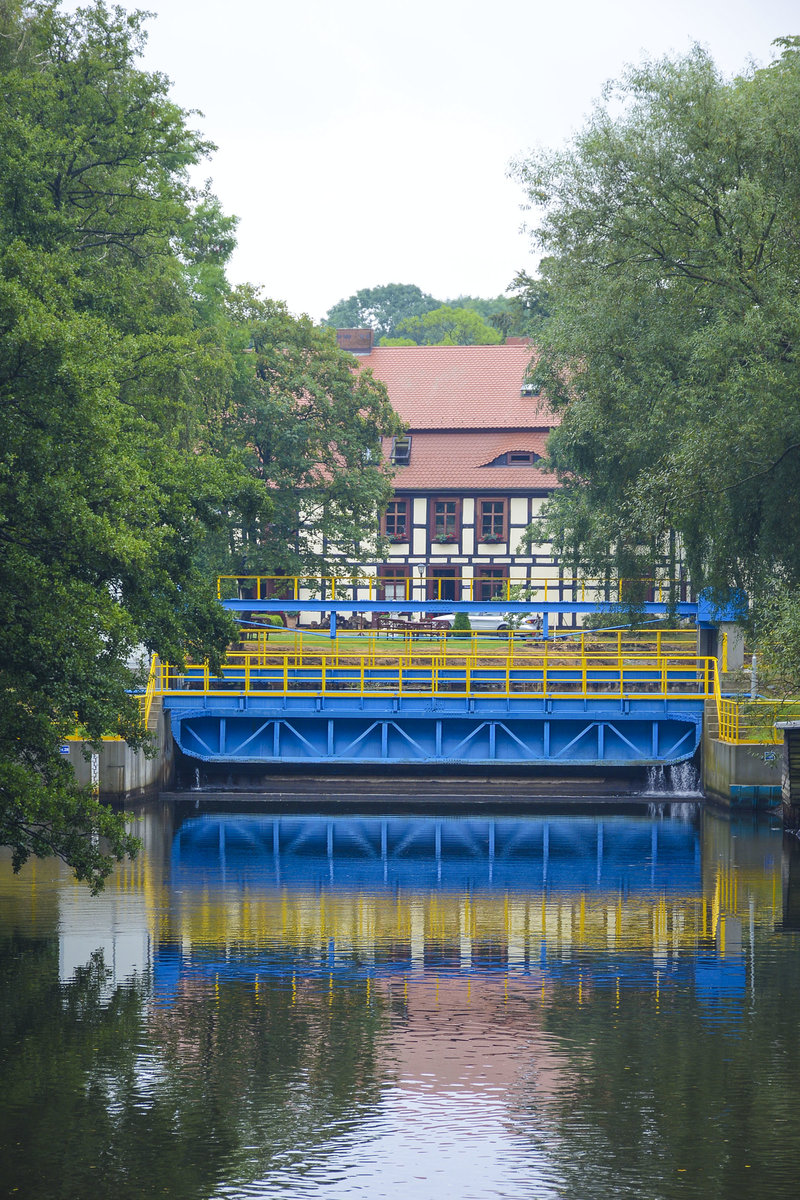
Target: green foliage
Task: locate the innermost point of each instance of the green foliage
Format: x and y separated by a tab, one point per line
308	427
525	312
380	308
109	374
142	449
778	642
388	309
461	626
672	276
448	326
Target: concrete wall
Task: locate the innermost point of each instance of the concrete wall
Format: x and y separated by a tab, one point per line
127	774
739	775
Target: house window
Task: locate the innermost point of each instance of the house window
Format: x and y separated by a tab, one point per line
446	520
492	520
490	583
393	583
395	522
401	450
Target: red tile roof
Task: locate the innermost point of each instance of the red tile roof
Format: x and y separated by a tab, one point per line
455	461
460	387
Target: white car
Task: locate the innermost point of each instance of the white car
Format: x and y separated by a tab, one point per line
493	622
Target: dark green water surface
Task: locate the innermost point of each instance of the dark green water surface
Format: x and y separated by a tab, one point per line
299	1005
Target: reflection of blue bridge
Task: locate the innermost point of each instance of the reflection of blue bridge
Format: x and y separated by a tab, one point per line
514	854
294	857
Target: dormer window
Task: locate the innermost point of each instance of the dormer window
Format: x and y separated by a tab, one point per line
530	389
514	458
401	450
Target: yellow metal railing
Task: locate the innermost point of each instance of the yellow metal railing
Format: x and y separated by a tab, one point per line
418	589
398	674
752	722
371	641
146	701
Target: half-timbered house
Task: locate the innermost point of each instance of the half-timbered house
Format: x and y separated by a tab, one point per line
467	484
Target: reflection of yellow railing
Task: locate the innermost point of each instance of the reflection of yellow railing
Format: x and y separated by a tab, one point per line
406	924
538	673
418	588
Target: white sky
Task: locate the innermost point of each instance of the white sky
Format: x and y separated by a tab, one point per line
368	143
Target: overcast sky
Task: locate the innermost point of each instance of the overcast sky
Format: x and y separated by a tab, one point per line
368	143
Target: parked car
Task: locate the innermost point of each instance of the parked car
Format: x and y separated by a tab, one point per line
493	622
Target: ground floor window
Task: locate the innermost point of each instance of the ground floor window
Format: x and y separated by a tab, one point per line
393	583
444	583
490	583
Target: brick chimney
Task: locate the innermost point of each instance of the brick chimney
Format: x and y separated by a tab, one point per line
357	341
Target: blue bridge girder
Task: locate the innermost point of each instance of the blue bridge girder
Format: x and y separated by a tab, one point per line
655	607
477	730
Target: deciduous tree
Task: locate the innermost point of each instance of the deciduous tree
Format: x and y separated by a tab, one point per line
308	425
446	326
380	308
108	374
673	278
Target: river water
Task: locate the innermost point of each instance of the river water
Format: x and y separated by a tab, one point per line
310	1005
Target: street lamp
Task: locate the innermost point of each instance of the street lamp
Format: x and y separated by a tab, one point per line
421	569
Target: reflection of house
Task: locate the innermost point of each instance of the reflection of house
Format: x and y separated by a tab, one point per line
467	484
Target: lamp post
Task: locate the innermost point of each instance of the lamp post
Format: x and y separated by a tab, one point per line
421	569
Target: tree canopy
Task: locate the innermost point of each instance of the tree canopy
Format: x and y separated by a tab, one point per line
445	326
380	308
136	433
309	427
672	274
401	314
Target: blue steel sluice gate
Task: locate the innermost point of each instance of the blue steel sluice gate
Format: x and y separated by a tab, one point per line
418	697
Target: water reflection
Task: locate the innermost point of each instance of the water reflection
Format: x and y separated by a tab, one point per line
291	1004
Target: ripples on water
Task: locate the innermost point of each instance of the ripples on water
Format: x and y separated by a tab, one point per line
307	1006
